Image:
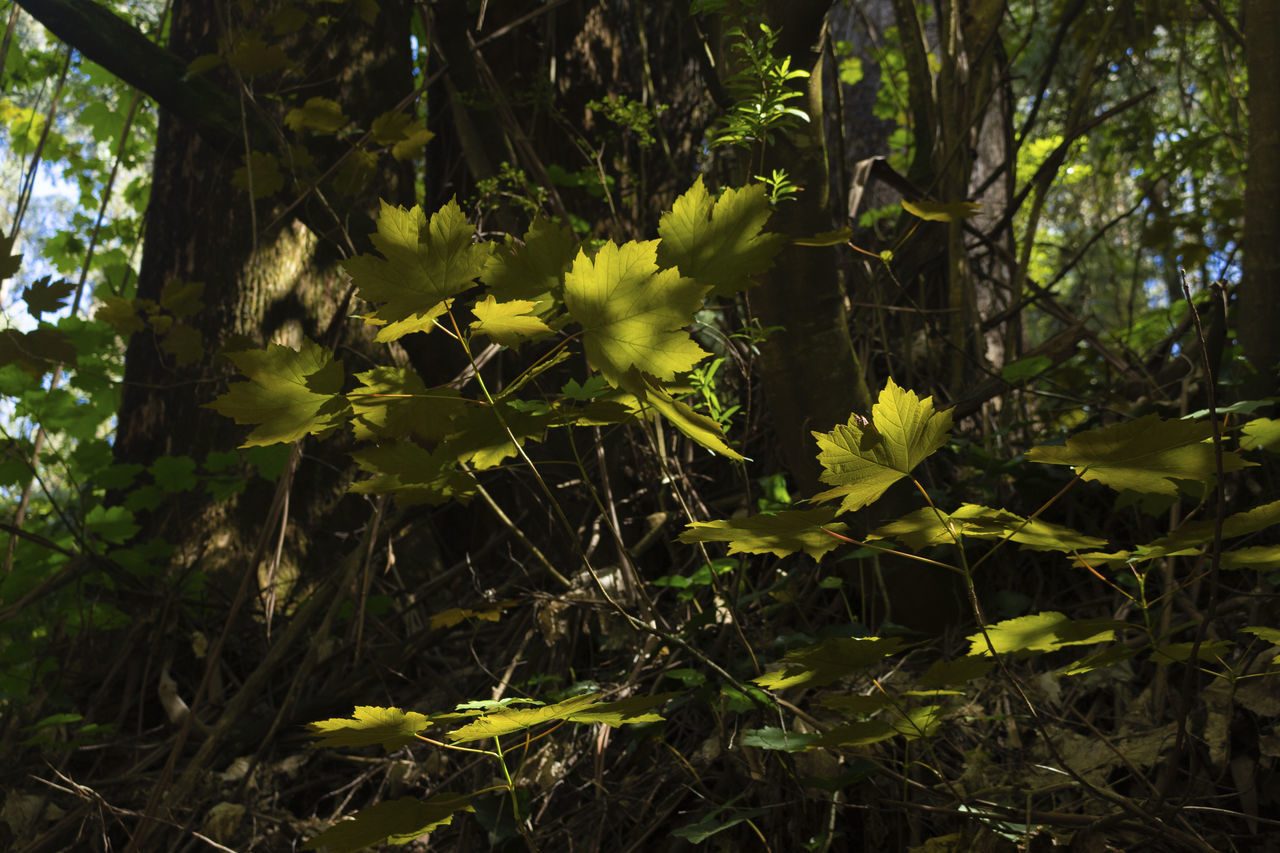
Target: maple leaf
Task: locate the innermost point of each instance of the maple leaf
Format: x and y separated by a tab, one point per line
265	172
633	315
9	263
393	401
1042	632
719	243
927	527
697	426
319	114
45	298
508	323
290	393
424	263
934	211
821	664
584	708
395	821
369	725
864	458
1145	455
782	534
120	313
413	474
536	268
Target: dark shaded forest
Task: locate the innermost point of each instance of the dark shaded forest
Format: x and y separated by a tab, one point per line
565	425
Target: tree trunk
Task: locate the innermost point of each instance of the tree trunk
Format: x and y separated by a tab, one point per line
1258	309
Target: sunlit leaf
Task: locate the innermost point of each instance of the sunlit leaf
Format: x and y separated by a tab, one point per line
1261	432
424	263
458	615
937	212
508	323
393	401
633	315
862	459
369	725
697	426
1043	632
584	708
1144	455
718	242
394	821
928	527
1267	635
787	532
290	393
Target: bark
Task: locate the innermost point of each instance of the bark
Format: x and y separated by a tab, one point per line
1258	309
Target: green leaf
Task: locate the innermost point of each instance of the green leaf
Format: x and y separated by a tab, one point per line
393	401
1043	632
711	823
395	821
290	393
423	265
184	343
174	473
37	351
946	673
826	238
786	532
1193	536
251	55
630	711
111	524
815	666
702	429
1181	652
1144	455
719	243
508	323
1267	635
1263	433
480	434
182	298
633	315
862	459
534	269
781	740
413	474
1027	368
45	298
369	725
120	313
319	114
927	527
264	169
937	212
582	708
9	263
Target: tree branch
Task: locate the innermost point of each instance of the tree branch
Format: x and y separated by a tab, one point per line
98	34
